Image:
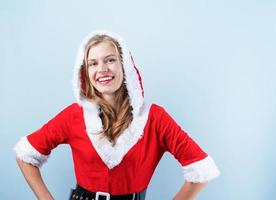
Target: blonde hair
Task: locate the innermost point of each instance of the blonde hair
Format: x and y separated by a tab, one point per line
114	120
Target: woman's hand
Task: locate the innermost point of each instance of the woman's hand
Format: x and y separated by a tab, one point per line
189	191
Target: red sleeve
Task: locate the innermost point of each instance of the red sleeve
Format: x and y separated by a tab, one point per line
175	140
56	131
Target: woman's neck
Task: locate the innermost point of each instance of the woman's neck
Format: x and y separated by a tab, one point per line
111	100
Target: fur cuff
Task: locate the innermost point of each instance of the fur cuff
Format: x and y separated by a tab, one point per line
27	153
201	171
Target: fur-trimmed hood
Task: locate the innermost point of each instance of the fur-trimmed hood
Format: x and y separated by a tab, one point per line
133	79
112	155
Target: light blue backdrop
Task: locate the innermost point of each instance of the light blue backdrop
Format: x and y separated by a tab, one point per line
211	64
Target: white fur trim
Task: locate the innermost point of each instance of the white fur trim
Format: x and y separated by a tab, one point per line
201	171
27	153
113	155
132	80
92	120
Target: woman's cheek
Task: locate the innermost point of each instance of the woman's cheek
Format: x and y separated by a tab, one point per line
91	76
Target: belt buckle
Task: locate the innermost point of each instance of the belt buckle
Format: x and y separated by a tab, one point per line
106	194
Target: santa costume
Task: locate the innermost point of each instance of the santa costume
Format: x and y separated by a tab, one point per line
100	166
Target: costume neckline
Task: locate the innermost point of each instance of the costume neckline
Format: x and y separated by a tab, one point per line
109	154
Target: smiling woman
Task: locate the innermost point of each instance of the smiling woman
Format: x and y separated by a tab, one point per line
117	138
104	75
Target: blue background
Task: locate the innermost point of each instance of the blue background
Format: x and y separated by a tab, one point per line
211	64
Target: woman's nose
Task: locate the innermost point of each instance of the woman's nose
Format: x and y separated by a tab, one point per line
103	67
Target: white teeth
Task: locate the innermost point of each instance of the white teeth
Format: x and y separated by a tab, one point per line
105	78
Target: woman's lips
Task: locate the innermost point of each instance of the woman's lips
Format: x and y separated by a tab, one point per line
105	81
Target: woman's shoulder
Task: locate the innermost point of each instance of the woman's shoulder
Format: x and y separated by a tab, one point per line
157	107
156	110
74	106
71	109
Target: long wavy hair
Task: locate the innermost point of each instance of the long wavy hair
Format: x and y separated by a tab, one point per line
114	120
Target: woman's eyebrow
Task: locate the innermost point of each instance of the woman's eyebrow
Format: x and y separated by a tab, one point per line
110	55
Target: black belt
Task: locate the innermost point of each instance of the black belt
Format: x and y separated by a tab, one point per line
82	194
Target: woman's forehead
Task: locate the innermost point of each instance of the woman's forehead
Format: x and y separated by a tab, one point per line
102	50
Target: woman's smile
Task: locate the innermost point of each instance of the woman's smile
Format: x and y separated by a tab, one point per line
105	80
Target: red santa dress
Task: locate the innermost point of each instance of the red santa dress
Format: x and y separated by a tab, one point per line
100	166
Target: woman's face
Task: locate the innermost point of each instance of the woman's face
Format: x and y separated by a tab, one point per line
105	69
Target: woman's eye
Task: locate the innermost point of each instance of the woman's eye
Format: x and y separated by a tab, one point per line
92	64
111	60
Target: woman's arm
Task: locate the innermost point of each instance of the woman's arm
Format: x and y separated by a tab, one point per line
34	179
189	191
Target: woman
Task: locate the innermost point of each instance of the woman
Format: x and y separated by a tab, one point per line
117	139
